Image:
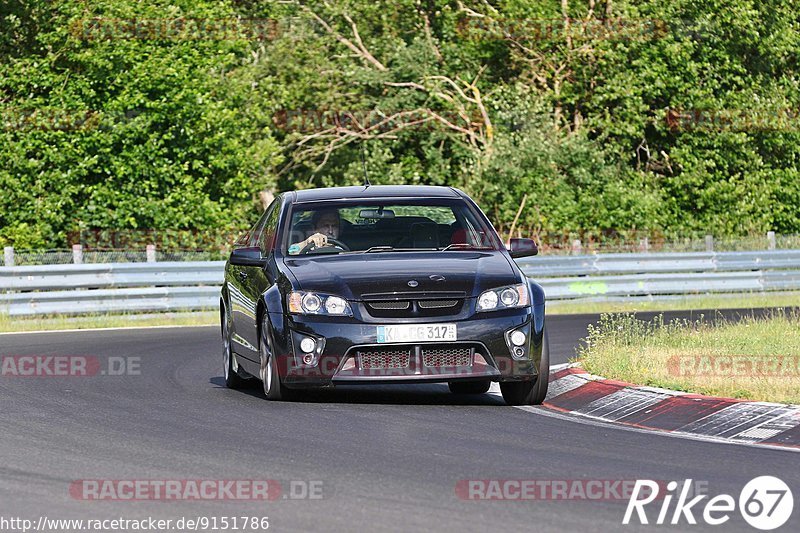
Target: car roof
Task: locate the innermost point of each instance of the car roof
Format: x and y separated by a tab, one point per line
373	191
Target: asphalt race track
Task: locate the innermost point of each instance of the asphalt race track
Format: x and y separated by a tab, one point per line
387	458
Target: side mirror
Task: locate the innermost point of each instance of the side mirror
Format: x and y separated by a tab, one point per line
248	257
522	248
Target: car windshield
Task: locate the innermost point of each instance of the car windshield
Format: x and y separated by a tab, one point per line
376	227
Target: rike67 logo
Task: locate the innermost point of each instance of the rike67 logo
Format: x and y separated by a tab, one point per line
765	503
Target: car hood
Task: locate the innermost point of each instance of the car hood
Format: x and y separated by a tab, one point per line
352	276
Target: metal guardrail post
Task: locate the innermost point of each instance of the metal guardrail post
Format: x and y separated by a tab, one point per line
709	243
77	254
151	253
8	256
577	248
771	240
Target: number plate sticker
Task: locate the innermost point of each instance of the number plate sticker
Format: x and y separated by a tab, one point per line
417	333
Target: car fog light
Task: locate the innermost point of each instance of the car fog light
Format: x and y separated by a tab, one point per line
307	345
308	359
519	352
518	338
350	364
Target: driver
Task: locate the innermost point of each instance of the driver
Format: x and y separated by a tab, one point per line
326	225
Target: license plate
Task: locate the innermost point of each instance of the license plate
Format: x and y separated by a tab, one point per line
417	333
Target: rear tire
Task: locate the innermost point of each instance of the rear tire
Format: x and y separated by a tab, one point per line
231	368
531	392
274	388
469	387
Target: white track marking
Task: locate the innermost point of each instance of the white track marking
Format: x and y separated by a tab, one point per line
620	404
589	421
658	396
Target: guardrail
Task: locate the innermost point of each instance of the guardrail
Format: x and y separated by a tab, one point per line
110	287
182	286
659	274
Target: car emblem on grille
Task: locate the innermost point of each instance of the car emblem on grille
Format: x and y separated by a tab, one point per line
413	283
436	277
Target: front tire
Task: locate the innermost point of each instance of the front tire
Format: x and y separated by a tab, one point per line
230	367
470	387
531	392
274	388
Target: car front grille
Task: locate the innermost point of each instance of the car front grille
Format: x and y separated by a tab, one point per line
408	305
442	357
381	358
411	356
436	304
389	305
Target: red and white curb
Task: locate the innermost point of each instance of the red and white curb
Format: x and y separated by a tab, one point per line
574	391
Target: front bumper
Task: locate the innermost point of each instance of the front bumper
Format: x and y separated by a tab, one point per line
349	351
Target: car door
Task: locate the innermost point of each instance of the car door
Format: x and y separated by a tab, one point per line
254	280
243	308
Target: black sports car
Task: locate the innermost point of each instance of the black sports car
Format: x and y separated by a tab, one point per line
401	284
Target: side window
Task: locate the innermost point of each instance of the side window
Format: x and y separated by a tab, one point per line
251	237
268	234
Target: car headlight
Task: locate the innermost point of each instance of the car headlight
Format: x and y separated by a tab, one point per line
315	303
503	298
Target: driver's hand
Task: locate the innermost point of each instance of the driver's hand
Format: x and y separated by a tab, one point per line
318	239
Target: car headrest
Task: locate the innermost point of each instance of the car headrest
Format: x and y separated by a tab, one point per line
424	235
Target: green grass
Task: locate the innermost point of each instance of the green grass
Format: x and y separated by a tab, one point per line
720	301
757	358
54	323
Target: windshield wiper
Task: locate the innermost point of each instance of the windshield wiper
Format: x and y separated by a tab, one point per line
393	249
464	246
378	249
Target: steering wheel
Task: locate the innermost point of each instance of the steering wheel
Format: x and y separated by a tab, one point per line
336	243
339	244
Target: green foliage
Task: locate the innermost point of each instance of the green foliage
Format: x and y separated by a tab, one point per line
175	133
176	138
